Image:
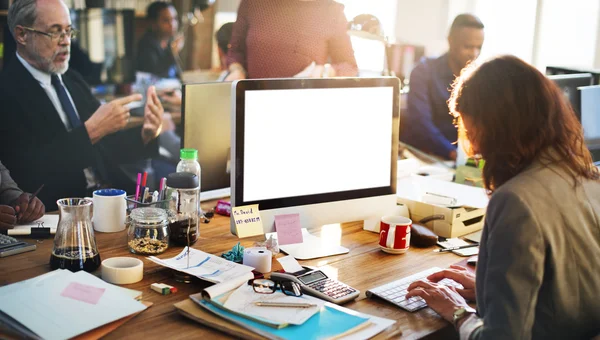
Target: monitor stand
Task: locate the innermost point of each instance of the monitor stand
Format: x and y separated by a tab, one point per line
312	247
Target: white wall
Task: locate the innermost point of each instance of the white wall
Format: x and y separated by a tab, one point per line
568	33
423	22
509	25
384	10
227	5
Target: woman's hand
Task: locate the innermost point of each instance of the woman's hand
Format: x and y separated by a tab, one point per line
460	275
441	298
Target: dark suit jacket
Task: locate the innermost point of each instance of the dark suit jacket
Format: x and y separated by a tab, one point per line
152	58
36	146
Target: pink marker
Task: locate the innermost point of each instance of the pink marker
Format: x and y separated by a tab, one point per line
137	187
161	188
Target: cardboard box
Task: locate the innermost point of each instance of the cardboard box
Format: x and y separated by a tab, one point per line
464	217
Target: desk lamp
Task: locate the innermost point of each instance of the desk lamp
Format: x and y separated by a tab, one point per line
367	26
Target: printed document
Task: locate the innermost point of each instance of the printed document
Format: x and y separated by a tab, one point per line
204	266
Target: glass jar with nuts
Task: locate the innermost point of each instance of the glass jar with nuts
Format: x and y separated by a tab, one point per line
148	231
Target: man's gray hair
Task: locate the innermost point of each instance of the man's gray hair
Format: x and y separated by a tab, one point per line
21	12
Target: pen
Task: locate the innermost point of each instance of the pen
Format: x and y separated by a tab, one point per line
284	304
161	188
35	193
145	195
455	248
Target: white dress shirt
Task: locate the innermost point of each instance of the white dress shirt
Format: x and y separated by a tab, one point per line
44	79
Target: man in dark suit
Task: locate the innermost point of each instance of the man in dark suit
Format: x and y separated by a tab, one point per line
53	130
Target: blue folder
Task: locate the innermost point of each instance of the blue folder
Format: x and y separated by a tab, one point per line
329	322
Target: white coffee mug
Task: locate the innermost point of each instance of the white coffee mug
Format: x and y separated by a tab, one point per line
110	210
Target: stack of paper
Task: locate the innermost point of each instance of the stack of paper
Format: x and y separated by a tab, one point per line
204	266
229	307
62	304
332	322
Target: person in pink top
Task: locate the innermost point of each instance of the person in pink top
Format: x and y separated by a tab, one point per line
286	38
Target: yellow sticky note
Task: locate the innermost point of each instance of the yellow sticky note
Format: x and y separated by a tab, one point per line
247	220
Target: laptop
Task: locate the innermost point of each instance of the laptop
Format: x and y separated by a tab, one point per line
206	121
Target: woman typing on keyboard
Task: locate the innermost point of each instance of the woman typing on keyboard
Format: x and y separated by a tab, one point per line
537	273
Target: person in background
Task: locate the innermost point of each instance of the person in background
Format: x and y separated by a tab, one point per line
54	131
275	39
14	203
160	45
223	37
427	124
539	259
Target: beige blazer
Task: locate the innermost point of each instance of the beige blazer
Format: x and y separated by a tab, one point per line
538	273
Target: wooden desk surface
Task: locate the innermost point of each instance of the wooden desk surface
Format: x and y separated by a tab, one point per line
364	267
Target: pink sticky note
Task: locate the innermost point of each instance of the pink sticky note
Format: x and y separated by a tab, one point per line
288	229
81	292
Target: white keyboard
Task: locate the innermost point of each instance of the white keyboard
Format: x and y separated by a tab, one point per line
395	291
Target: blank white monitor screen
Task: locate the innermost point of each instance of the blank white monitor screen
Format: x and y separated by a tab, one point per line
323	148
318	141
369	55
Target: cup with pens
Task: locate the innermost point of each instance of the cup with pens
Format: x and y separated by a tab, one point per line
148	217
144	197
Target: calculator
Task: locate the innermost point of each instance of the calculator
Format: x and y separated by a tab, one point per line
314	282
11	246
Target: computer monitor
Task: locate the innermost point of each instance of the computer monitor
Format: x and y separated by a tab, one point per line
370	56
206	121
590	118
569	84
556	70
326	149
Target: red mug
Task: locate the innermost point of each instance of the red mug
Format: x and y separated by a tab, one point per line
394	234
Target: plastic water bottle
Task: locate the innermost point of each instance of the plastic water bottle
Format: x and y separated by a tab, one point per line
189	163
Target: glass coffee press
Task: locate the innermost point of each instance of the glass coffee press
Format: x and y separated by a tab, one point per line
74	243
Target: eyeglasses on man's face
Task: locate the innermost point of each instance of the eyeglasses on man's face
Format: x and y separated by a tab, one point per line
264	286
57	36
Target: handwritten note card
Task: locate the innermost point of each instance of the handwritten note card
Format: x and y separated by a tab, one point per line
82	292
247	220
288	229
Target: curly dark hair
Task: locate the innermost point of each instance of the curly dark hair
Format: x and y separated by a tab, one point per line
518	115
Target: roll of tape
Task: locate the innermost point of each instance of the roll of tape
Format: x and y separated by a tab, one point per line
122	270
259	258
